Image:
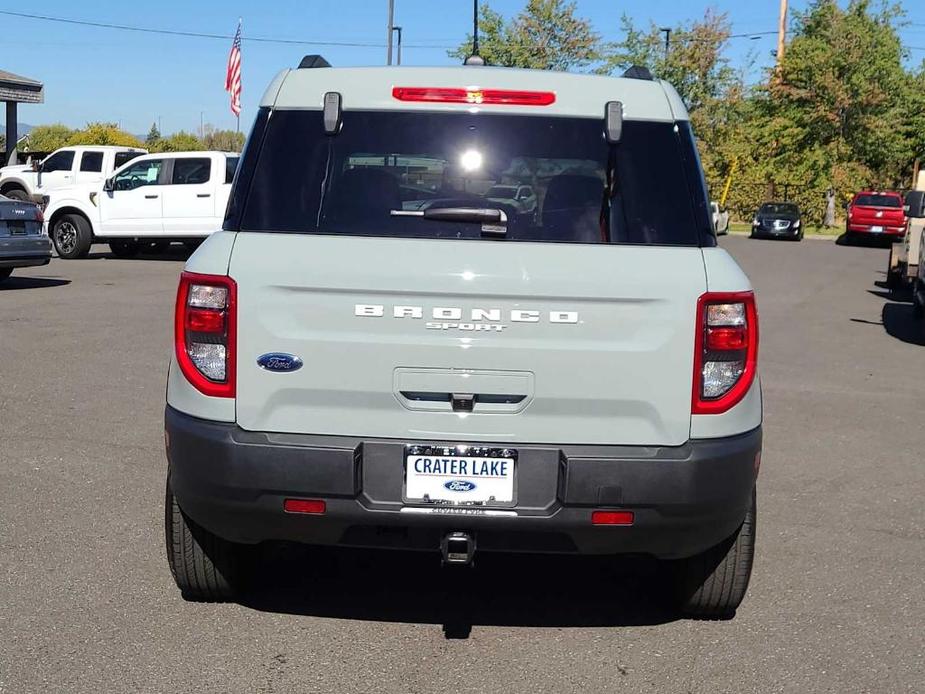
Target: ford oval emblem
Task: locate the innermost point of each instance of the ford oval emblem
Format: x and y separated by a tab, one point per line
279	361
459	485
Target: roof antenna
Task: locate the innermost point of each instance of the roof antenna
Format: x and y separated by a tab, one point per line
475	58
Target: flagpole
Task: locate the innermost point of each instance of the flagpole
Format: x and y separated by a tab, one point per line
240	28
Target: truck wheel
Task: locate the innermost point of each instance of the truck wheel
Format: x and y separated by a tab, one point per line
72	236
5	273
124	249
204	566
17	194
713	584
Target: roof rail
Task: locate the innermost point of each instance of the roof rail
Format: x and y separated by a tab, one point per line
638	72
313	61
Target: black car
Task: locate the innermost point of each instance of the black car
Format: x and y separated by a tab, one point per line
23	243
778	220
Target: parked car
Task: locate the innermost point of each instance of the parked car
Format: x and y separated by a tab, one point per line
876	214
176	196
778	220
350	372
64	167
23	242
720	219
520	197
903	264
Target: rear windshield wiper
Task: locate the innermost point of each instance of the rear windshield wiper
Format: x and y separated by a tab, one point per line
493	220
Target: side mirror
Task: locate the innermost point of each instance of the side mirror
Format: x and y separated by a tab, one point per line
36	166
907	209
108	185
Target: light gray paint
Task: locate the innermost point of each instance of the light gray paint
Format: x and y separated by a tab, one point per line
622	374
576	95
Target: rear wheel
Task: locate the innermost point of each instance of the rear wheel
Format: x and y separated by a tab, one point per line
205	567
5	273
17	194
713	584
124	249
72	236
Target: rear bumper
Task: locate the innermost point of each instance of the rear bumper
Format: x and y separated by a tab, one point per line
24	251
867	229
685	498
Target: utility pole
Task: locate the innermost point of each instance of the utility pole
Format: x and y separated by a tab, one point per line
781	32
397	30
667	32
201	127
391	27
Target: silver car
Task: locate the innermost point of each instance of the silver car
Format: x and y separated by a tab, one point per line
22	241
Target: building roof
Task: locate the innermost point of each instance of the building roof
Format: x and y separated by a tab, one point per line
18	88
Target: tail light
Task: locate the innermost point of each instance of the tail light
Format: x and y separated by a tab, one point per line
725	350
473	96
205	332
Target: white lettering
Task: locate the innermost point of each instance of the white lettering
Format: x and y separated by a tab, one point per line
408	312
490	314
525	316
448	313
370	310
563	317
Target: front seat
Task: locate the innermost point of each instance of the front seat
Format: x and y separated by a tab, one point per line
572	209
362	196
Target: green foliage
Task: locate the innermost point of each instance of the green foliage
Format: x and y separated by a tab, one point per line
178	142
103	134
222	140
546	35
153	135
47	138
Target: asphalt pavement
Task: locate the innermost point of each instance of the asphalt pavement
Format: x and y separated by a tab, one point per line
87	603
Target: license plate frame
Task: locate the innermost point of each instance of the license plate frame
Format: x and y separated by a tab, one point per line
16	227
457	452
876	229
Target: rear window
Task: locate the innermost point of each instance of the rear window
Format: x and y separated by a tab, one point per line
878	201
125	157
779	208
382	163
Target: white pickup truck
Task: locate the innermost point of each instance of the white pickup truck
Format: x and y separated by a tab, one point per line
176	196
64	167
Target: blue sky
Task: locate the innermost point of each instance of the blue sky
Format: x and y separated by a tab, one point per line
101	74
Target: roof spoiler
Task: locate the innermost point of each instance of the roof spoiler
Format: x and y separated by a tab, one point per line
313	61
638	72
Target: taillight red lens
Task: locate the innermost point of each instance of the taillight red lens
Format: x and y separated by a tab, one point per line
205	332
473	96
725	351
204	320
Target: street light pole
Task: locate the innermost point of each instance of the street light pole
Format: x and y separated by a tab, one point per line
667	32
391	20
398	45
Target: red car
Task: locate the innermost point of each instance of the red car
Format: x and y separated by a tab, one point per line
875	214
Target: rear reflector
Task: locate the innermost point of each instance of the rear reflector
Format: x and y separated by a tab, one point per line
201	320
450	95
612	518
314	506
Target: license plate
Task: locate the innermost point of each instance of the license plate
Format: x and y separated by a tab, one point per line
16	228
459	475
876	229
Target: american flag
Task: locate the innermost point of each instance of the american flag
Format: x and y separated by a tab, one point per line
233	73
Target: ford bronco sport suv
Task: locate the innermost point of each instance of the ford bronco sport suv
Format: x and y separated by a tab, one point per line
375	352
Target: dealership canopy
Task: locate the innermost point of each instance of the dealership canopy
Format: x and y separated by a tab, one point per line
14	90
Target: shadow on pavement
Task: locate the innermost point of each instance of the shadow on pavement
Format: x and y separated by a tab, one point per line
899	322
898	296
17	282
501	590
864	241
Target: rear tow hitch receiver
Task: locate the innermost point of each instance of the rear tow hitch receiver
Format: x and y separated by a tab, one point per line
458	549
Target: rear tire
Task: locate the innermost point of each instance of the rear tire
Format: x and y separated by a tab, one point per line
17	194
72	236
713	584
204	566
124	249
5	273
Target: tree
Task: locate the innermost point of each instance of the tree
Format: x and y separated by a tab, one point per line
178	142
47	138
153	135
222	140
101	133
546	35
